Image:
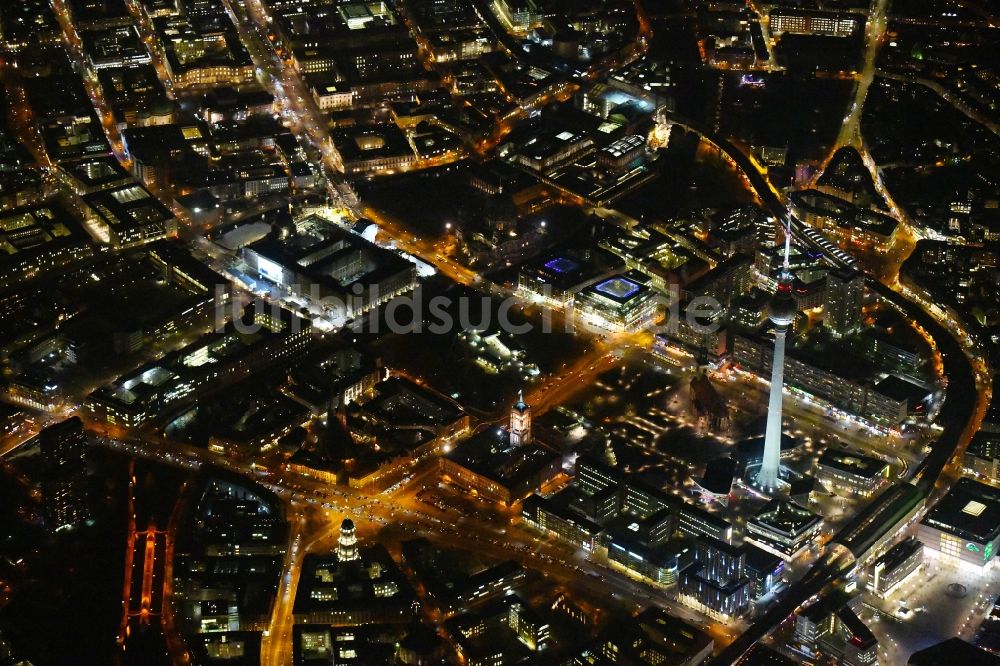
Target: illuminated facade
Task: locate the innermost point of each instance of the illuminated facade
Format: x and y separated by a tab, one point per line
548	151
850	474
203	55
347	543
656	564
807	380
622	155
35	240
982	457
367	589
890	570
377	149
716	582
783	528
206	364
520	421
129	215
554	280
555	517
617	304
843	300
963	528
344	273
531	630
491	466
517	15
814	23
831	629
332	96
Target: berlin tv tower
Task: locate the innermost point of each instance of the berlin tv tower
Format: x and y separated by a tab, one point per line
781	310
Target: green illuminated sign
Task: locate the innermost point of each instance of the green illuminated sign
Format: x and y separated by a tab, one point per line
972	547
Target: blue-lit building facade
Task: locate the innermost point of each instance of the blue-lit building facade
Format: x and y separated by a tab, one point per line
617	304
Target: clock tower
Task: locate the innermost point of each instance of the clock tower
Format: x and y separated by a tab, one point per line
520	421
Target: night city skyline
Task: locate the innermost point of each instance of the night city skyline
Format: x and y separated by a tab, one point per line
499	332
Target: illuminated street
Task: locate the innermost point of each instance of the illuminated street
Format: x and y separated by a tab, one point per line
489	332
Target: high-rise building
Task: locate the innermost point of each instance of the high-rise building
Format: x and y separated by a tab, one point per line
64	486
764	570
720	560
781	310
520	421
843	300
716	583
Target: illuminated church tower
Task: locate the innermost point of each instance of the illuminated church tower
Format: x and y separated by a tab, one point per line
781	310
347	544
520	421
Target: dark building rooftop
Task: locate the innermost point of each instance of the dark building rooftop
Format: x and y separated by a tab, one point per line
759	560
453	580
761	655
786	517
561	271
898	388
953	651
349	588
719	474
490	454
985	445
898	554
852	463
654	636
228	648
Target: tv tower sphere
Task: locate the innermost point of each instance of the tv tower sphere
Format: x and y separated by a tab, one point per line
782	308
